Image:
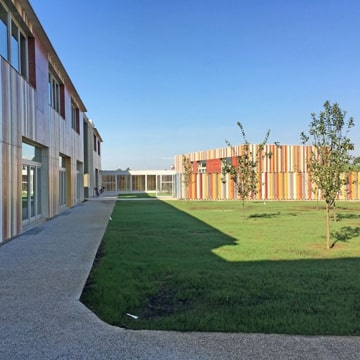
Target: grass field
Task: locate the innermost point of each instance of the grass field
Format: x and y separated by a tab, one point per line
198	266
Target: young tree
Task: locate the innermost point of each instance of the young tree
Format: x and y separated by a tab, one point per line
356	164
244	174
329	163
188	171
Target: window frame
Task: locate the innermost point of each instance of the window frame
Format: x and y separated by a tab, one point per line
95	143
15	51
56	93
75	117
202	166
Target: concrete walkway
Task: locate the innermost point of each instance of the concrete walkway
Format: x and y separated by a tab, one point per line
42	274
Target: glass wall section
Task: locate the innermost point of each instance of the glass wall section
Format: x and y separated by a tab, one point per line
165	185
123	182
138	183
151	183
108	182
31	183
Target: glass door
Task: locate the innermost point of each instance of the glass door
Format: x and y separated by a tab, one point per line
25	193
62	181
31	194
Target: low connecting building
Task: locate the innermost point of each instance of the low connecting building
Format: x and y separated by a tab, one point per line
281	176
50	151
160	182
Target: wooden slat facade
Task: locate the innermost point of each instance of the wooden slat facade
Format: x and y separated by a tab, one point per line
27	118
281	176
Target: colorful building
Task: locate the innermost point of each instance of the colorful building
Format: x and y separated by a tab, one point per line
50	151
281	176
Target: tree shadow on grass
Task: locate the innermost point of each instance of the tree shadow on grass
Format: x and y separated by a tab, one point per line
347	216
345	234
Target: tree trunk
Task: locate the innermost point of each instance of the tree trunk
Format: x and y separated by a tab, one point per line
327	226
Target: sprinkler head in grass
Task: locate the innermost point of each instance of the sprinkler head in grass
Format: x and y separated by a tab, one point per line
132	316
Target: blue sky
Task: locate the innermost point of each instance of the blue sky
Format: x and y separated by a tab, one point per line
167	77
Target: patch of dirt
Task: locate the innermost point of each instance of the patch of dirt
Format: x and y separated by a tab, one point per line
164	303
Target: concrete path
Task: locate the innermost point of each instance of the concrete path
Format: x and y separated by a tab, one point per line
42	274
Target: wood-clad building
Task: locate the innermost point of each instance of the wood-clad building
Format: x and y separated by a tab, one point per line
281	176
45	148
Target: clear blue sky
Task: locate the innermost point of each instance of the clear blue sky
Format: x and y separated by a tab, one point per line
167	77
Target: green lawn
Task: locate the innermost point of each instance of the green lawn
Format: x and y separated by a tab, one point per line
198	266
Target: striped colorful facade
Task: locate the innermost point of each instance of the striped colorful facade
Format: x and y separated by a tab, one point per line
281	176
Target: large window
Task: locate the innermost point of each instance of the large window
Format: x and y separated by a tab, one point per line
13	43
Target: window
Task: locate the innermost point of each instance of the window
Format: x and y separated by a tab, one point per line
138	183
123	182
202	166
226	164
56	94
95	142
13	43
3	32
108	181
98	149
75	121
23	56
15	46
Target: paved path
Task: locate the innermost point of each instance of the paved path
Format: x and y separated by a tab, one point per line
42	274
